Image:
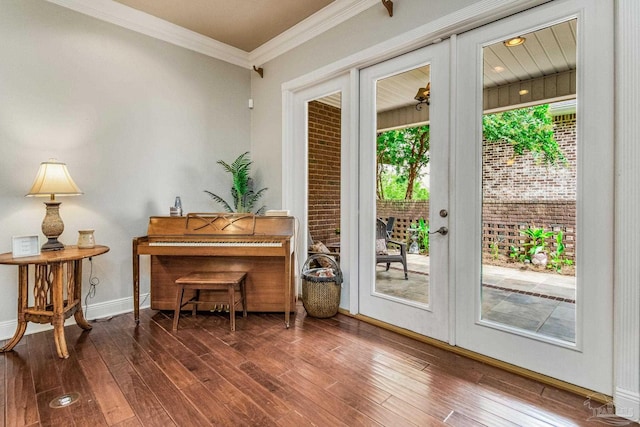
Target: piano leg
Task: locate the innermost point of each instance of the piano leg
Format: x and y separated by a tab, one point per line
289	277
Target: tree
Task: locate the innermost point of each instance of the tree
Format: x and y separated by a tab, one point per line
526	129
407	151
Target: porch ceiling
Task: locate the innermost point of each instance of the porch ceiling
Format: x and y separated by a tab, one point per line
546	52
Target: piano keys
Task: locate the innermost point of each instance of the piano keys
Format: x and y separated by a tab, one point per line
251	244
261	246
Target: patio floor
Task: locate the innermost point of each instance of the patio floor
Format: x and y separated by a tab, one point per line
539	302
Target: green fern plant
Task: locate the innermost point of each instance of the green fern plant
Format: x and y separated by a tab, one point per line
244	197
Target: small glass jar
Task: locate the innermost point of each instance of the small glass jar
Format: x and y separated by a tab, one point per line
86	239
178	206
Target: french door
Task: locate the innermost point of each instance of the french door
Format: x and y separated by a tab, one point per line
411	293
563	335
326	102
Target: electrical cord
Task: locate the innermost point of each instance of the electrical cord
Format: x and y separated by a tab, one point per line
144	299
93	283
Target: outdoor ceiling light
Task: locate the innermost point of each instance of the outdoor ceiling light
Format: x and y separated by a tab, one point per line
516	41
423	95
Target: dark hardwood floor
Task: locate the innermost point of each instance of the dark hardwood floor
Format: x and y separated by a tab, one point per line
323	372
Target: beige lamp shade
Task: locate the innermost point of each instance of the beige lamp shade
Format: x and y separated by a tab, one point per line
53	179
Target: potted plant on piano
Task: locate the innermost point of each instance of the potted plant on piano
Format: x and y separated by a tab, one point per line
244	196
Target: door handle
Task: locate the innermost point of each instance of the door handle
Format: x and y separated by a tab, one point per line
442	230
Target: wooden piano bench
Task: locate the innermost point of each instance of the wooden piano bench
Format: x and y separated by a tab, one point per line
221	281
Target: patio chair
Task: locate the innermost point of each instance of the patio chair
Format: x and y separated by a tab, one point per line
384	243
390	222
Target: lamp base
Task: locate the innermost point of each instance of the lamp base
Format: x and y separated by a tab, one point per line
52	245
52	226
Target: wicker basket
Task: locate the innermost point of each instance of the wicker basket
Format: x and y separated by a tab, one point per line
321	295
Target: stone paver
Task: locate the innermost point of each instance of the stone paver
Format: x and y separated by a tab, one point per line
538	302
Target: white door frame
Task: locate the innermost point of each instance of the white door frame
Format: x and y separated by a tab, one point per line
588	363
296	172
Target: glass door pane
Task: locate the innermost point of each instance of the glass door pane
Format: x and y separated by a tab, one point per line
402	186
404	146
324	177
529	170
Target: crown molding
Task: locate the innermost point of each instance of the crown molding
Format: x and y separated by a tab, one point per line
316	24
143	23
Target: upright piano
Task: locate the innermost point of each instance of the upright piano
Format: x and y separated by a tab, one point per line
259	245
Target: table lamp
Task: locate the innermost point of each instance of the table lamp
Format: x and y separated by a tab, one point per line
53	179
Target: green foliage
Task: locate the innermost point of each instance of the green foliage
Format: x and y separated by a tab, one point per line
495	249
419	192
515	254
395	187
423	235
557	259
526	129
244	197
407	151
537	241
422	228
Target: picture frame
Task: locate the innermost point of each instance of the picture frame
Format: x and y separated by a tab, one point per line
24	246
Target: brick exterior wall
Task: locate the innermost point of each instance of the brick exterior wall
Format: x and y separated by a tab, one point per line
503	221
324	172
508	178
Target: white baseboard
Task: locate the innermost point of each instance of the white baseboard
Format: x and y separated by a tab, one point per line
627	404
92	312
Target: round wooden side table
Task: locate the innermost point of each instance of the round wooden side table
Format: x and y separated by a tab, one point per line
57	291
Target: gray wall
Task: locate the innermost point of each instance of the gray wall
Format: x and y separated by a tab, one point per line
138	122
